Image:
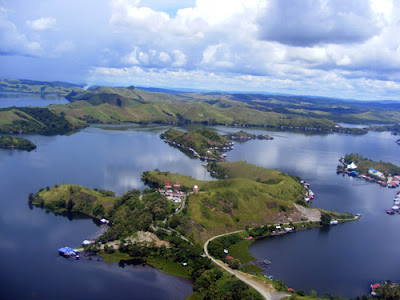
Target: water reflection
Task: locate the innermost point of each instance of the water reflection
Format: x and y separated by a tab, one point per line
8	99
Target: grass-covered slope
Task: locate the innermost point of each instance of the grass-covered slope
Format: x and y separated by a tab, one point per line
36	120
134	105
251	196
37	87
9	142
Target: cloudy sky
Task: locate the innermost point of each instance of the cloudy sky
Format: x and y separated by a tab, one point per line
334	48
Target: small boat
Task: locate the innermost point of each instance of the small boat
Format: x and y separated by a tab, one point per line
390	212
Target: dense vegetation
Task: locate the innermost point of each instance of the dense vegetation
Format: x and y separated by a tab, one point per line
244	136
129	214
36	120
388	291
9	142
37	87
363	164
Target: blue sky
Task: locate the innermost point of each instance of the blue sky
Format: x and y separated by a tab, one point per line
333	48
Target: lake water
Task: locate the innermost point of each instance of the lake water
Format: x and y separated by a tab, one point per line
23	99
342	260
29	239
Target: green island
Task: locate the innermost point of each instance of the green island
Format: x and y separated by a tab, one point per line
201	143
9	142
384	173
243	136
168	229
206	144
109	105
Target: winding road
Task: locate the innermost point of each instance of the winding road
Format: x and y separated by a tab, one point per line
246	278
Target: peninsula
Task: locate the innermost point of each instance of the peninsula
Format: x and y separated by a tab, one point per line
9	142
180	214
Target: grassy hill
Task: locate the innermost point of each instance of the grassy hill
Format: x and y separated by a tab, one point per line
118	105
251	196
37	87
36	120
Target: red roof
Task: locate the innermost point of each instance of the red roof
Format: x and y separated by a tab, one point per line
374	286
250	238
229	257
290	290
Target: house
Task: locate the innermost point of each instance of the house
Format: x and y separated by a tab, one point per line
352	166
67	251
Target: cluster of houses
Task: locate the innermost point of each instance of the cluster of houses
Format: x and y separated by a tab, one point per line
396	205
372	176
172	192
309	193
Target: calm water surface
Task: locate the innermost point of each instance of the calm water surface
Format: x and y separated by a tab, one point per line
21	99
29	238
342	260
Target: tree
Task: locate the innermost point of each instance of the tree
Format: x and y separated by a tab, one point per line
98	210
325	219
234	263
387	291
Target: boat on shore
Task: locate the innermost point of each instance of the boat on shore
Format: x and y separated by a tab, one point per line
68	252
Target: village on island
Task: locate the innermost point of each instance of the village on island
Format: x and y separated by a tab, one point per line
372	175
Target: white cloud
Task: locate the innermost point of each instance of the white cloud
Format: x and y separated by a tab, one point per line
356	88
12	42
42	24
321	47
180	58
164	57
